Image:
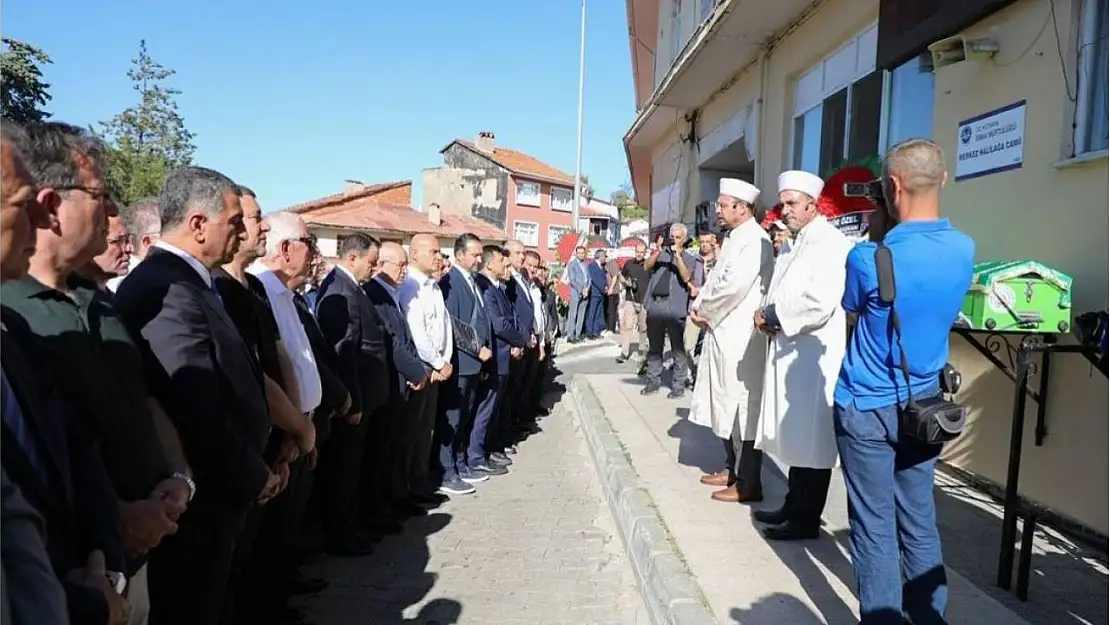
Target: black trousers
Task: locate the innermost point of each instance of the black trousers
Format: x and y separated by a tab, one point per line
744	468
383	480
612	302
659	329
521	396
502	430
539	384
188	572
419	433
807	492
339	480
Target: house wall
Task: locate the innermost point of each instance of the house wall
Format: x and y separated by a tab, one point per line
543	215
327	240
467	184
1047	210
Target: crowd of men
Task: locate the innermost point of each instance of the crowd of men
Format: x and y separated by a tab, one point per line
183	428
799	359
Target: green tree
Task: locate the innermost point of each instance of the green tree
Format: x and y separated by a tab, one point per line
626	204
23	91
149	139
587	189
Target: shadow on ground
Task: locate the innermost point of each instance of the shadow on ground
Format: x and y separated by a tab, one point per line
1068	581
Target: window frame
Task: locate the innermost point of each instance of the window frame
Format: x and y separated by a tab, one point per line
676	30
570	199
1092	15
517	236
553	241
539	193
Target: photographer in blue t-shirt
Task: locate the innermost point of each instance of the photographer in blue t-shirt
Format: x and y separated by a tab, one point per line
894	541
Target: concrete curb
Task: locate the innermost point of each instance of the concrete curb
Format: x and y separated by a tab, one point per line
670	593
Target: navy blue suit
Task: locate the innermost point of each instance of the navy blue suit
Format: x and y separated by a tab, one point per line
496	399
457	396
523	375
595	314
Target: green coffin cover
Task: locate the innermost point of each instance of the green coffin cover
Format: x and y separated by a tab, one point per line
987	274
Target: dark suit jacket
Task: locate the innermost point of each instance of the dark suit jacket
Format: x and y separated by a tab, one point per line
202	372
31	591
351	325
75	497
334	392
550	313
598	279
401	352
523	307
461	304
506	333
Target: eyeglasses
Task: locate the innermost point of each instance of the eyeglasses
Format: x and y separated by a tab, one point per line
100	194
124	240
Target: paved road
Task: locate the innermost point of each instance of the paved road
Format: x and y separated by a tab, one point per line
533	547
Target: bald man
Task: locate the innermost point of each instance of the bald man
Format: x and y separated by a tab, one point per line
384	461
421	302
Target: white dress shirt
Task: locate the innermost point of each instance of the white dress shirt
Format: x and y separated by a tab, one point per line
205	272
293	337
537	310
469	278
421	301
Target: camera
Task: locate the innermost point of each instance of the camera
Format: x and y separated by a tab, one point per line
872	190
950	379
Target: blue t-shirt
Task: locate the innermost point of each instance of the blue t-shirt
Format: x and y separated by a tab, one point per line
932	271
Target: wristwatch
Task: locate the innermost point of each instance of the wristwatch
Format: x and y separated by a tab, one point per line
117	580
177	475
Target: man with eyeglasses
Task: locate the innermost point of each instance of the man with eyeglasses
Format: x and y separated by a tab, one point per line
141	224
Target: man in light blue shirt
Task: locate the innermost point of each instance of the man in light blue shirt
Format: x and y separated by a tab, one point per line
894	541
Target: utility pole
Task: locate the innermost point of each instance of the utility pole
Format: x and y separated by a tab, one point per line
581	85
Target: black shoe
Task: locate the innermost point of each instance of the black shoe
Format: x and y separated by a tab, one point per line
511	450
409	509
542	412
650	389
676	393
303	585
488	468
791	531
354	547
384	527
770	517
429	501
622	359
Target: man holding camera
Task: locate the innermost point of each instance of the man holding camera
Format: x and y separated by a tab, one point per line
667	301
801	313
894	541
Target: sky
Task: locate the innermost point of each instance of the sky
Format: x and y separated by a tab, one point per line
291	98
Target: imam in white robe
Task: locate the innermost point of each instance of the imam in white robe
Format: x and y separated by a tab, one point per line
804	358
733	353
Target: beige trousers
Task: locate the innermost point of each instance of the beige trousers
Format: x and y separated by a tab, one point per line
633	317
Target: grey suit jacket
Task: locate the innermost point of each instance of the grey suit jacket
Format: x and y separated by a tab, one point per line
30	593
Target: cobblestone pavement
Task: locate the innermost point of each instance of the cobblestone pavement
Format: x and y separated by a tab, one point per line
533	547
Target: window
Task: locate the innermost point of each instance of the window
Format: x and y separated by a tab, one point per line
527	232
838	108
707	8
528	193
910	103
676	29
1091	115
562	199
554	234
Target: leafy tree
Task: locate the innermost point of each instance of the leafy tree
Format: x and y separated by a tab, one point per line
587	189
626	204
24	92
148	140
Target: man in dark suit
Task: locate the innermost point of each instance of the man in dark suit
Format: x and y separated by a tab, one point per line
46	452
493	431
524	311
350	324
599	284
210	384
472	350
385	465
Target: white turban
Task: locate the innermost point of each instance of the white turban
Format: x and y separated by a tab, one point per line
803	181
739	189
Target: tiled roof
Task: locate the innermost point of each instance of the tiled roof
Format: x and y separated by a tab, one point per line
518	162
363	213
338	201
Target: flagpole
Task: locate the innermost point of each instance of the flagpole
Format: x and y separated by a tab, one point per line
581	85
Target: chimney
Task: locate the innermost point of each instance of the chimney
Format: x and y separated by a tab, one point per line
353	186
434	216
485	141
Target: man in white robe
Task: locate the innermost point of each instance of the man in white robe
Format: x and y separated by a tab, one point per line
802	314
730	378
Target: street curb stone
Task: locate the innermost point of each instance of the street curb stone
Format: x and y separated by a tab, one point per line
670	593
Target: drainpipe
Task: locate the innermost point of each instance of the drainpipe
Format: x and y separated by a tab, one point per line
760	167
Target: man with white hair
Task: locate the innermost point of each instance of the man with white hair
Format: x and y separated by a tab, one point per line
730	381
801	313
667	301
142	224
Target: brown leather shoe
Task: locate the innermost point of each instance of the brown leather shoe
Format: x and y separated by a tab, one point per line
719	478
734	495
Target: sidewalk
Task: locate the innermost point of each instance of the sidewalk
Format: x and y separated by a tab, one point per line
743	578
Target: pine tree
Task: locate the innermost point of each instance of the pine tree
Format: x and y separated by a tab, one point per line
148	140
23	91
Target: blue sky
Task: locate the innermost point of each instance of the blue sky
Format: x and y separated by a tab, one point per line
293	97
